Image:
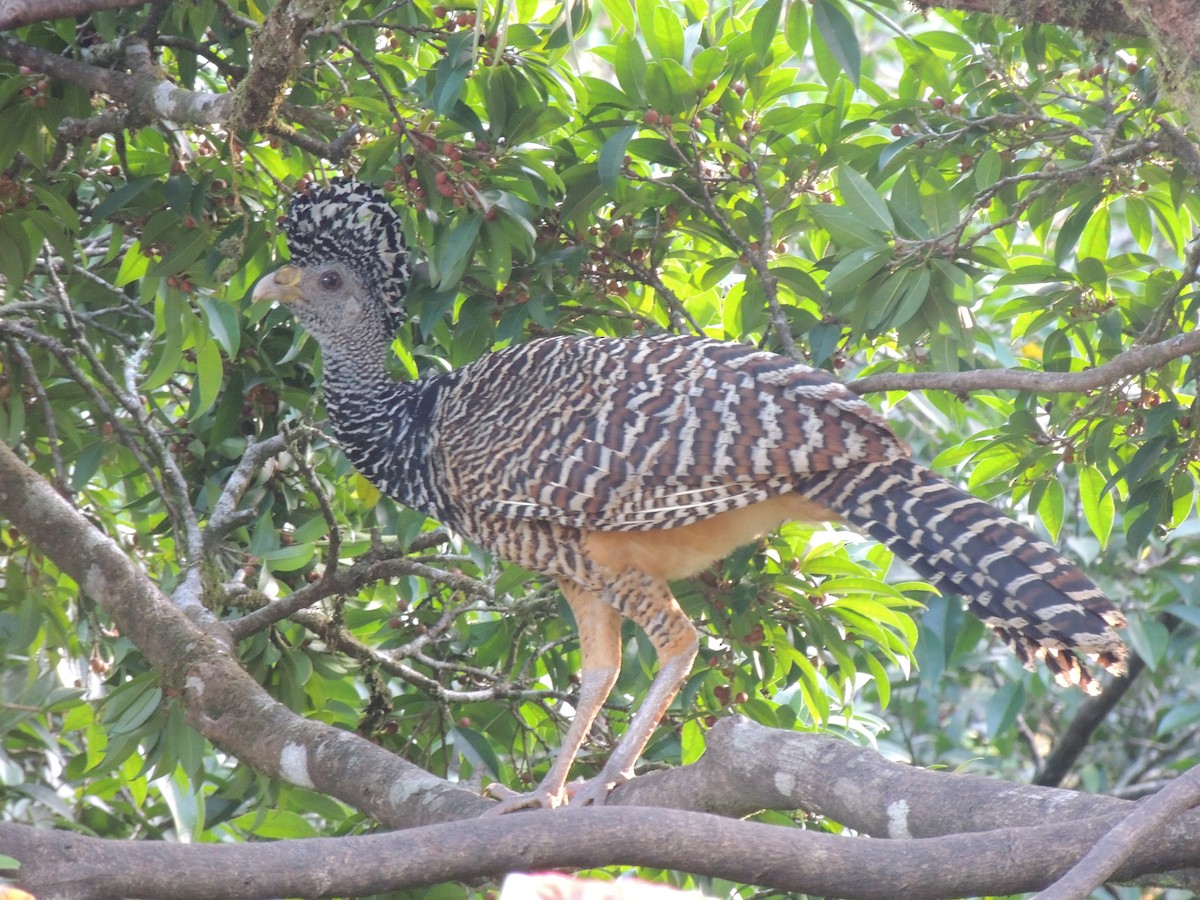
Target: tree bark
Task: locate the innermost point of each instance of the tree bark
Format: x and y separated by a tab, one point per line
913	813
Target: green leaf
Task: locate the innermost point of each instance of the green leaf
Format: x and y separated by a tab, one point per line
987	169
612	156
477	748
274	824
451	72
846	229
222	319
452	252
16	252
622	14
669	87
289	559
128	708
121	197
823	340
1149	639
1146	456
708	65
796	31
837	33
765	27
1178	718
664	34
1051	508
629	62
855	269
1072	228
209	374
185	251
1098	506
87	465
473	331
861	198
1003	707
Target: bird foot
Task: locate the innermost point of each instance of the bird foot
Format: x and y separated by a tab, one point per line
511	801
595	791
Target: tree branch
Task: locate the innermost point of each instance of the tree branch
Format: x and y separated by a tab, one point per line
1086	720
145	94
15	13
746	764
1131	834
1132	362
920	860
1091	16
195	665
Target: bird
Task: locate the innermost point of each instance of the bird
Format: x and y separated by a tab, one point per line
616	465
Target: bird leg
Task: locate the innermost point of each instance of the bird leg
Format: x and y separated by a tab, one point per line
599	625
650	604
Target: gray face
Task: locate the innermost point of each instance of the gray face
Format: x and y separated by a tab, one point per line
330	300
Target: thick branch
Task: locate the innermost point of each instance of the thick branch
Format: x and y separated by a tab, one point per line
236	714
223	703
278	55
1046	831
15	13
1094	17
747	767
1130	835
147	95
1132	362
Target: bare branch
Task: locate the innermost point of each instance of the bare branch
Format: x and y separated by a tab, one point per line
195	664
1045	830
15	13
224	516
1092	16
334	151
1132	362
376	565
1127	838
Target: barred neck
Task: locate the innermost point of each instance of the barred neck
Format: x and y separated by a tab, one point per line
384	426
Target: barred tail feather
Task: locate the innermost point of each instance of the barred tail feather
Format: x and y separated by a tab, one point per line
1040	603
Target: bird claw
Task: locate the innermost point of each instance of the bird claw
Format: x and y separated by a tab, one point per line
595	791
512	801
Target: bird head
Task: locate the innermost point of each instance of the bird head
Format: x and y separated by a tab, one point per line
349	270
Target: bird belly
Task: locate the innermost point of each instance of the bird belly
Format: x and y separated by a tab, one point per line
672	553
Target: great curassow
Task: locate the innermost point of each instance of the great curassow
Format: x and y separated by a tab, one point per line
616	465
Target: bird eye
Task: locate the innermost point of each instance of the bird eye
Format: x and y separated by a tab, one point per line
331	281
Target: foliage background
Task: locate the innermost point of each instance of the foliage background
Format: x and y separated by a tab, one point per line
873	190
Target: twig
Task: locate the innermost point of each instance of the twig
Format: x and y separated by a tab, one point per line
39	390
374	566
334	151
333	552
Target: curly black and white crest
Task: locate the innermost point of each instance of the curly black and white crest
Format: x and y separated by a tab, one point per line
353	223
